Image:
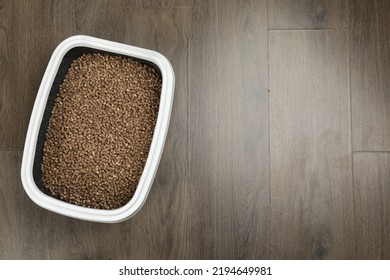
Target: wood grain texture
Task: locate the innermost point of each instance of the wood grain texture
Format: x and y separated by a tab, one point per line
14	98
212	197
372	210
370	74
307	14
164	3
45	32
12	196
311	184
25	48
229	130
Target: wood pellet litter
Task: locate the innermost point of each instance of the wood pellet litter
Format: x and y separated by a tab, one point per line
100	131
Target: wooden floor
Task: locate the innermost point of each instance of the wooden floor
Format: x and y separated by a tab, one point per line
279	141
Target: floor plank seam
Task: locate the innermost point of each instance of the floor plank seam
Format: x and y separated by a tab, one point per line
308	29
269	134
377	152
351	132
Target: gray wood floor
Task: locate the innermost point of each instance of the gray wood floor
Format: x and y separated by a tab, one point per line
279	141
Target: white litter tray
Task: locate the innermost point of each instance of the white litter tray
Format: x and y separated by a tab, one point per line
58	65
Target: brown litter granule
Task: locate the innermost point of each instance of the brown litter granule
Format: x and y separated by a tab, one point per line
100	131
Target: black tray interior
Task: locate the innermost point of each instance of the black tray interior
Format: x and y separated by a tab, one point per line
67	60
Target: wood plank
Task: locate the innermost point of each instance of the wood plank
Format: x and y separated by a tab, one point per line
311	187
372	200
228	174
12	197
370	74
25	48
49	23
307	14
15	101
